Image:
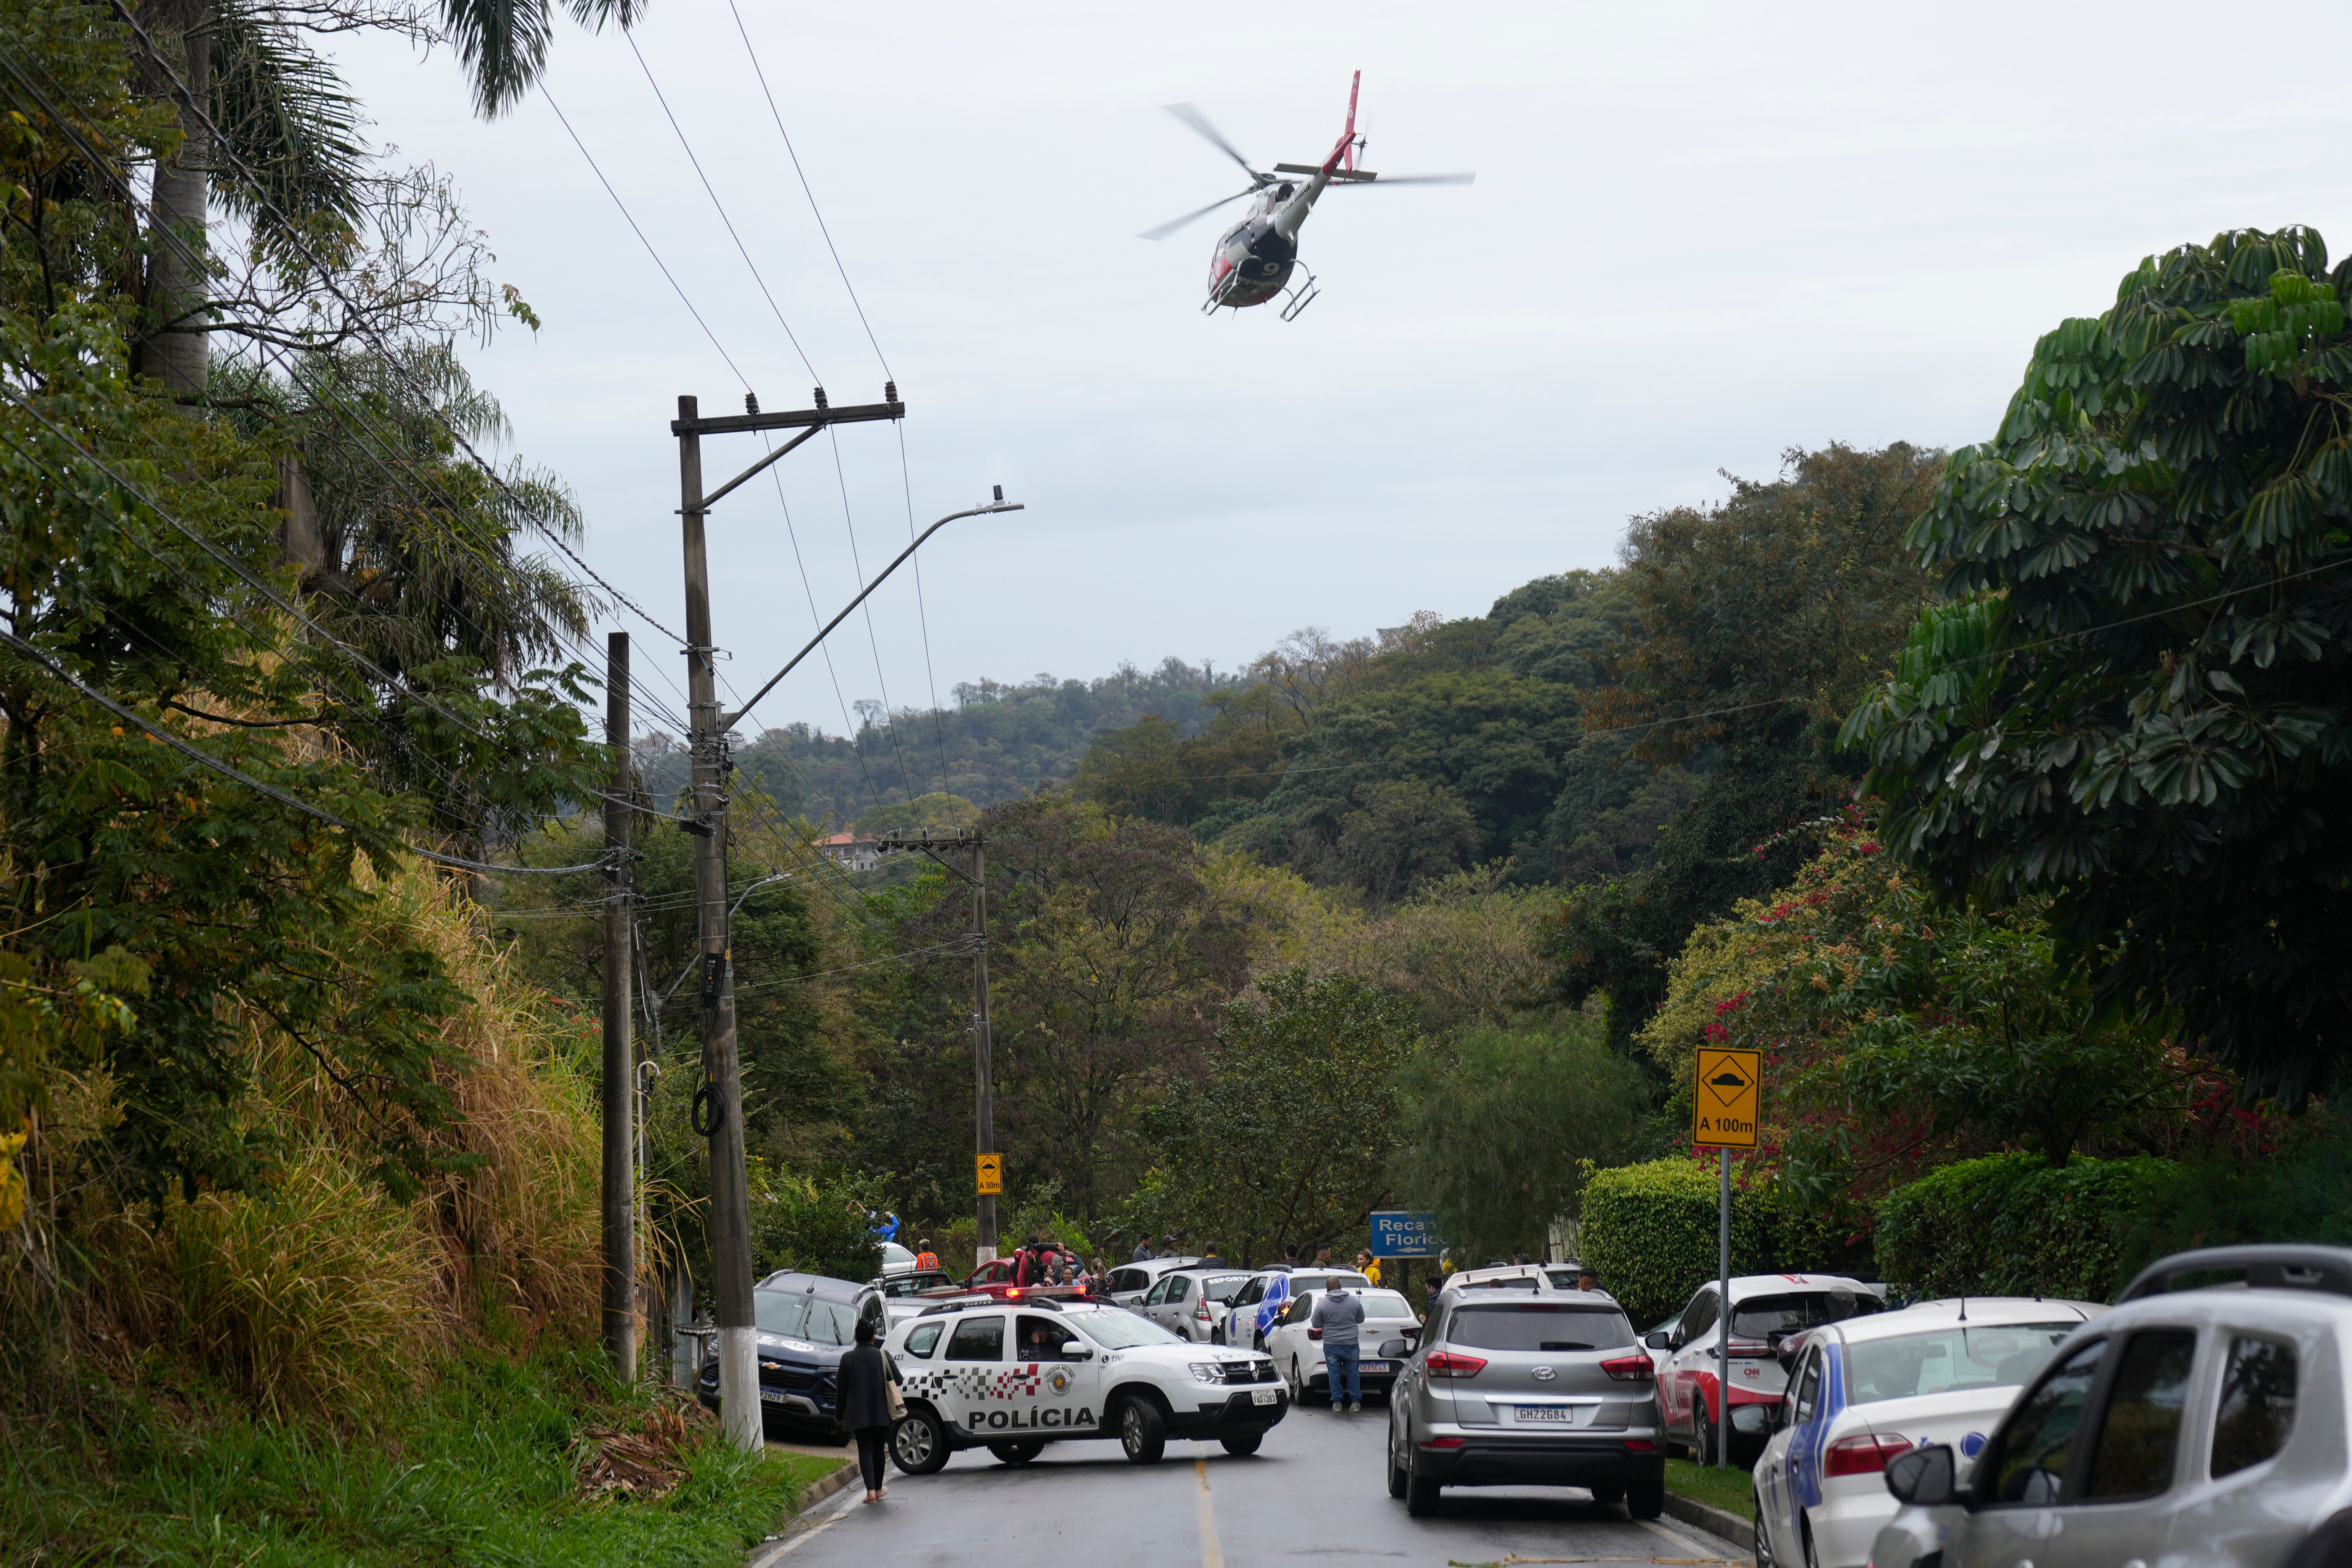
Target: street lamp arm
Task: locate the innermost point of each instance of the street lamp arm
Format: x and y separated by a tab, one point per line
729	722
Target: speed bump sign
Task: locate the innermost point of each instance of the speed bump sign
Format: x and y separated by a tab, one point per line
992	1174
1726	1097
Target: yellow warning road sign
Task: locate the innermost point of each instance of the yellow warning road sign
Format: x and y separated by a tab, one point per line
1726	1097
992	1173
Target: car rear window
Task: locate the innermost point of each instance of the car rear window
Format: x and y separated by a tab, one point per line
1537	1326
1761	1317
1227	1288
1963	1356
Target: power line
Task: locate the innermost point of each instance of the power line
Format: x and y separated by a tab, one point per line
922	615
741	247
806	189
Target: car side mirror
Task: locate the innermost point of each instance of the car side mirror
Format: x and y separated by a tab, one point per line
1392	1348
1924	1476
1751	1420
1659	1340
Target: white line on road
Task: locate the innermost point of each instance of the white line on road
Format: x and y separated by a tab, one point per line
1213	1555
813	1532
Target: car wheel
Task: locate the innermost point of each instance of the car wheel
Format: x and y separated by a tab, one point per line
1765	1556
1420	1491
1805	1540
1702	1435
1142	1430
1397	1475
1297	1383
1645	1499
1242	1448
1019	1453
1216	1336
919	1443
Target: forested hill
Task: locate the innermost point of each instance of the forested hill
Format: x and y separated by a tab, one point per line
999	742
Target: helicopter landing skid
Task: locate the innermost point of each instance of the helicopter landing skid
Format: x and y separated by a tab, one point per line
1298	295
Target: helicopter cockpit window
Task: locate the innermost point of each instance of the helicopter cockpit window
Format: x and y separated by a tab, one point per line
1282	192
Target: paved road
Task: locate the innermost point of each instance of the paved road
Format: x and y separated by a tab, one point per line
1314	1494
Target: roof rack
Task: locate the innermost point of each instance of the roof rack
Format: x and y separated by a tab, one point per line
2324	1268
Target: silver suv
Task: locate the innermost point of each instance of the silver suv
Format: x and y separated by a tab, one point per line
2203	1421
1529	1388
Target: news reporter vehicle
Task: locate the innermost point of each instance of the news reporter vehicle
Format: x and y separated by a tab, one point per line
1767	1309
1513	1388
1013	1377
1869	1389
2204	1420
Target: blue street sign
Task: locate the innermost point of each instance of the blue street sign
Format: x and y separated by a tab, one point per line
1402	1233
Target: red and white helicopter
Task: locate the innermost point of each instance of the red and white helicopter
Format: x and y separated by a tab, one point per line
1256	257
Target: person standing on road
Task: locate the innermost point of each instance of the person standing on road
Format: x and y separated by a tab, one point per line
1340	1316
862	1392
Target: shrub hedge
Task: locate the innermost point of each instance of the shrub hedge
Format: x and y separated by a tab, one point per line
1651	1233
2011	1224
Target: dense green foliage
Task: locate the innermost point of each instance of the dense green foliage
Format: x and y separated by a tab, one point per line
2292	1183
2013	1225
1288	1136
486	1469
1653	1232
1500	1127
2136	697
1000	741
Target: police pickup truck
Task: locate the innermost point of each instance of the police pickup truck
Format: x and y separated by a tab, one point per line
1013	1377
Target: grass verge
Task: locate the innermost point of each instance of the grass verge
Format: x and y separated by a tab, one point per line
483	1468
1730	1491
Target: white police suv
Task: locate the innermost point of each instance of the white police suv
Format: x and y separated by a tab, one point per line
1012	1376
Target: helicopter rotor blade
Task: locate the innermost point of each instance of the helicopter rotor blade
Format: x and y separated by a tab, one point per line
1165	230
1200	122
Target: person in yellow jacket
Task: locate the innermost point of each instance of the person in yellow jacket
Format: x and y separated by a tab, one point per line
1368	1265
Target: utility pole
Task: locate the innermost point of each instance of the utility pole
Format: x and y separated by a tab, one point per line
983	1072
719	1103
620	1070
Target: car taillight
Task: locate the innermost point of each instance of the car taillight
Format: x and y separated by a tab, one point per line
1862	1455
1200	1312
1444	1441
1449	1363
1640	1446
1630	1369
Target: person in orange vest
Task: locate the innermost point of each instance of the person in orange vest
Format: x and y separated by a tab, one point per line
925	1258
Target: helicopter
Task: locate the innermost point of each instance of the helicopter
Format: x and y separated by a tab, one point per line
1255	258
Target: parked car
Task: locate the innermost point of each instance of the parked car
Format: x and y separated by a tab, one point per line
806	1323
1391	1329
1258	1302
895	1258
1127	1285
1765	1308
1190	1303
1514	1275
905	1295
1548	1389
1871	1388
2206	1418
1014	1378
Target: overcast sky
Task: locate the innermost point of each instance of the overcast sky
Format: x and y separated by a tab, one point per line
1700	234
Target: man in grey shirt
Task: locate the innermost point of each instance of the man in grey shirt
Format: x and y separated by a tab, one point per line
1340	1316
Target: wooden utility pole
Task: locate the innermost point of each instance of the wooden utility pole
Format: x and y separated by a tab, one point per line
983	1072
719	1103
620	1068
982	1046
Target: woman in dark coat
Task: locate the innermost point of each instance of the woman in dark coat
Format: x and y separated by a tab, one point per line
861	1396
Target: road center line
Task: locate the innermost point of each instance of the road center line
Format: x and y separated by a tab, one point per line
1213	1555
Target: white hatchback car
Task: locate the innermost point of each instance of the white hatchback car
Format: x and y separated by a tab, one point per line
1871	1388
1192	1303
2204	1420
1012	1378
1390	1331
1258	1305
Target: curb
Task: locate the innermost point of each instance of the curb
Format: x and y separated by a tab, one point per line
1714	1520
823	1486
